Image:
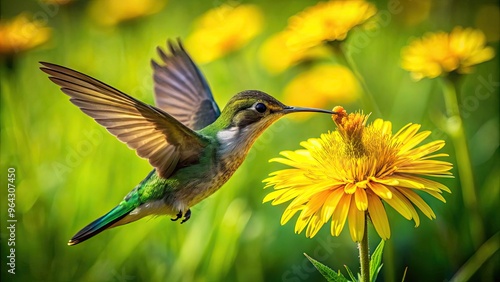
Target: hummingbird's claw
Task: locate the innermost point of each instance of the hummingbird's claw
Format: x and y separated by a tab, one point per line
187	216
179	215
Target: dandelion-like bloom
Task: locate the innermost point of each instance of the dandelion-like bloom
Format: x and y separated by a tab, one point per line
22	34
355	170
439	53
113	12
328	21
323	84
224	29
276	56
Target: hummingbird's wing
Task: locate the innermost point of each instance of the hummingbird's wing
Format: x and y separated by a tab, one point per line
154	134
181	90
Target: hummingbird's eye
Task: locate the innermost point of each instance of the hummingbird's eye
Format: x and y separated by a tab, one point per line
261	108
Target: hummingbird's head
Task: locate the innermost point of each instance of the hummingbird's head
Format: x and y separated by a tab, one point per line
257	109
248	114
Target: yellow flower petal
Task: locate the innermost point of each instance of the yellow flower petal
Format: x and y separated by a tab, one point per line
302	222
350	188
331	204
340	214
406	133
405	182
381	190
402	205
356	223
424	150
436	195
385	127
314	226
273	195
379	216
417	200
289	213
361	199
414	141
315	203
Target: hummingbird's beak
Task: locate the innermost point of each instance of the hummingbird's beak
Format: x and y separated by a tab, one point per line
289	110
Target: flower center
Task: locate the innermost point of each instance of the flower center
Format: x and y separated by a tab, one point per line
351	129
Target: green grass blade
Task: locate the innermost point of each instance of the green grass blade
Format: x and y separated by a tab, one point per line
352	274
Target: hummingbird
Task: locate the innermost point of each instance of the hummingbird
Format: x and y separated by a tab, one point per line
193	147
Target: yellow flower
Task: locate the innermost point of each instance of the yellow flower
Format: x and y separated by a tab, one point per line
21	34
356	170
113	12
328	21
440	53
322	84
276	56
222	30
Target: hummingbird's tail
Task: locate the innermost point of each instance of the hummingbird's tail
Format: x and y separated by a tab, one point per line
101	224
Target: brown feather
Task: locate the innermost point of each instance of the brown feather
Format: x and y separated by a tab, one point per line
181	90
154	134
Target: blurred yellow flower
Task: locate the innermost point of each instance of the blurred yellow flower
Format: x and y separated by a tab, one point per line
113	12
276	56
321	85
344	174
439	53
222	30
328	21
21	34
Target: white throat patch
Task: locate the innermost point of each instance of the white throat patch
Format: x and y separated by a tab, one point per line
228	138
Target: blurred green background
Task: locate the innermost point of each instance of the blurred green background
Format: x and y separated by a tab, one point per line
69	170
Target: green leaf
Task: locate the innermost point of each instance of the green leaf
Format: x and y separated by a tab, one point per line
376	273
351	274
329	274
376	261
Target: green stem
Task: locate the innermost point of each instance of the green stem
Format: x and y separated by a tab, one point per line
455	129
364	259
389	261
369	102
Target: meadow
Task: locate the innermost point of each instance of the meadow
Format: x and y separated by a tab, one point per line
69	170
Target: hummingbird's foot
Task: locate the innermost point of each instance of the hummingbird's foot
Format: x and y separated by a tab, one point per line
187	216
178	216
